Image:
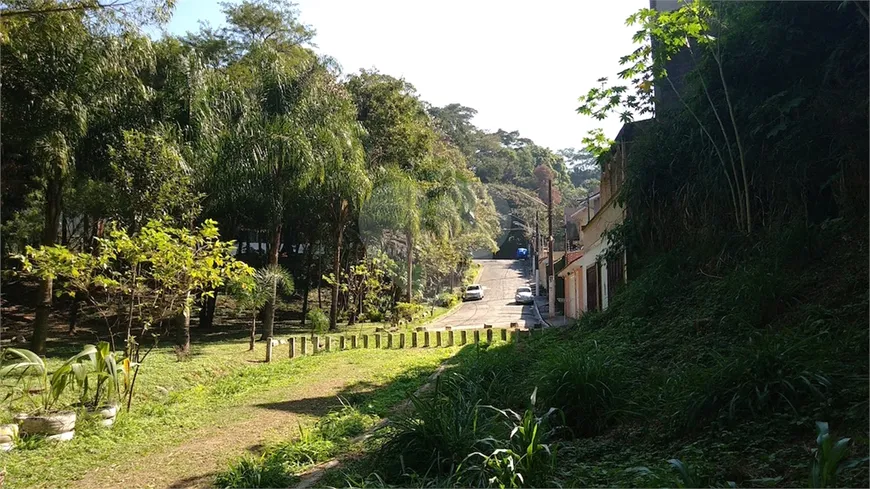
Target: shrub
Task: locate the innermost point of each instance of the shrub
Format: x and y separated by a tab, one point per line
525	459
408	311
447	299
584	385
765	375
318	320
443	427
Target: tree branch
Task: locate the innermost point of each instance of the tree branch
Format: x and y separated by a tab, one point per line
71	8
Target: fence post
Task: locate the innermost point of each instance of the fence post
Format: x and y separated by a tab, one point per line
292	343
463	337
353	342
315	345
489	336
389	341
503	334
438	338
365	341
304	345
450	338
328	343
377	340
413	339
402	341
425	339
476	336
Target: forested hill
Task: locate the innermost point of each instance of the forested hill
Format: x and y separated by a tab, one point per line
516	170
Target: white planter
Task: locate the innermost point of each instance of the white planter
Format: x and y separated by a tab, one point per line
54	426
8	435
105	415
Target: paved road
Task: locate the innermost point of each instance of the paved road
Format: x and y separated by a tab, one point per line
500	280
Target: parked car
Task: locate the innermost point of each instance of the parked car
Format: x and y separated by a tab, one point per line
524	295
473	291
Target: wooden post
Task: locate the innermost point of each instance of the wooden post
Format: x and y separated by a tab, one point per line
365	341
377	341
476	336
268	349
489	336
315	345
425	339
438	338
402	341
503	333
304	345
413	339
341	342
353	342
463	337
389	341
450	338
328	343
292	343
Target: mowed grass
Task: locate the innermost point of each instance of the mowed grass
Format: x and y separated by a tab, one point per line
215	385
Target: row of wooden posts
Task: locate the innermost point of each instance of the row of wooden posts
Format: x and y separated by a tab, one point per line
299	345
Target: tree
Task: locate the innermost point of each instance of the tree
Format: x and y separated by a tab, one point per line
694	27
59	71
149	276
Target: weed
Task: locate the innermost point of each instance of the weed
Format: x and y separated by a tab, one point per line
828	462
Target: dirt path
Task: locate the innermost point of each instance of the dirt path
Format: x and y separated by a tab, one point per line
193	464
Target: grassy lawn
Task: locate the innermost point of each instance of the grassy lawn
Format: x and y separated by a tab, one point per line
220	385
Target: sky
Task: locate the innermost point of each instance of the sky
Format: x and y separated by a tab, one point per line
521	65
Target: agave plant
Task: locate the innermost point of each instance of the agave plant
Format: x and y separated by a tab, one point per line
99	370
25	375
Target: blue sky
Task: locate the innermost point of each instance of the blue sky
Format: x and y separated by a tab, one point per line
522	65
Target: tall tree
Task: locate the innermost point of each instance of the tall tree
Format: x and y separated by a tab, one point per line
60	70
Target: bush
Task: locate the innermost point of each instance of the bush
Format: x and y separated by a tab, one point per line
408	311
255	472
442	429
584	386
447	299
318	320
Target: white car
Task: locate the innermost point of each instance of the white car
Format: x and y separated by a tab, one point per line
473	291
524	295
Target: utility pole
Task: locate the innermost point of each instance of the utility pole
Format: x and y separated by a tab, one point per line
535	271
551	271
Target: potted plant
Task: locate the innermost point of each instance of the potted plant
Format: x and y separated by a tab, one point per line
100	379
26	375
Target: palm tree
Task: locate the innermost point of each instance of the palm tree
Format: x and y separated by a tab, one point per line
60	73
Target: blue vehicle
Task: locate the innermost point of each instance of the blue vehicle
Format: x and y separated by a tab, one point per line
522	253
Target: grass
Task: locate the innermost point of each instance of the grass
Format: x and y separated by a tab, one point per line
688	378
220	380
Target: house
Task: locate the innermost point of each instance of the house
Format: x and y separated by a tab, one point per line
590	278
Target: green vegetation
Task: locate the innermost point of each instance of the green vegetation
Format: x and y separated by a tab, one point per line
699	389
220	381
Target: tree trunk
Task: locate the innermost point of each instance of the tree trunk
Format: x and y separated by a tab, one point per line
253	331
44	293
306	287
336	270
269	309
183	330
318	282
410	240
206	313
74	315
